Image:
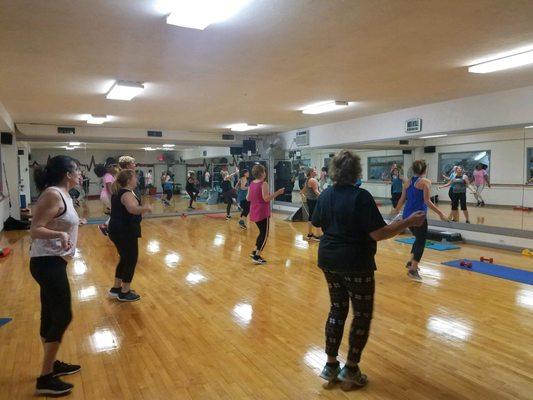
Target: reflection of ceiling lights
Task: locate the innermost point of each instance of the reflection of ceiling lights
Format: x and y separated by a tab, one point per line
169	145
69	147
199	14
325	106
243	127
480	155
529	127
432	136
124	90
499	64
148	148
74	143
104	340
449	328
96	119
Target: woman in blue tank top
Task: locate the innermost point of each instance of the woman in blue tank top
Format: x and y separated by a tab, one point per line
416	196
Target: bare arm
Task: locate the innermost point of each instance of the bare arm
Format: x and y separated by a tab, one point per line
401	201
487	179
109	187
429	203
130	202
47	208
388	231
270	196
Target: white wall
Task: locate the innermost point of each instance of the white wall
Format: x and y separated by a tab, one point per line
506	108
196	153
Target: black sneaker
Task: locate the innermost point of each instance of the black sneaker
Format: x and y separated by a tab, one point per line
49	384
129	296
252	254
259	260
61	368
228	217
309	237
114	292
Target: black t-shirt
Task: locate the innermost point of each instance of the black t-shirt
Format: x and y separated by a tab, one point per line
347	216
226	186
121	221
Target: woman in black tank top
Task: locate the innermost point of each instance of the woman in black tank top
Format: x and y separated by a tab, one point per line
125	231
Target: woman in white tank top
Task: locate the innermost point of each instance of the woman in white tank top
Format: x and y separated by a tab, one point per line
54	233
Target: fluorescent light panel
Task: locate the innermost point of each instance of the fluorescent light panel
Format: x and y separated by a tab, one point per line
513	61
69	147
97	119
243	127
148	148
529	127
325	106
169	145
432	136
199	14
74	143
124	90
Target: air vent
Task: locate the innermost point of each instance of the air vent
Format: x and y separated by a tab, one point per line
404	141
65	130
155	134
302	138
406	151
20	152
226	136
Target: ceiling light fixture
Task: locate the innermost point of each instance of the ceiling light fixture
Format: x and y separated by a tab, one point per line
432	136
124	90
96	119
499	64
74	143
169	145
529	127
69	147
325	106
148	148
243	127
199	14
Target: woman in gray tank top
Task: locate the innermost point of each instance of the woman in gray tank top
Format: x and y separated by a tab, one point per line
459	185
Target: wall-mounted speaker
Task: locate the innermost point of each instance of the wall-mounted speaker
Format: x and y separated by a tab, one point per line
21	152
407	151
429	149
404	141
6	138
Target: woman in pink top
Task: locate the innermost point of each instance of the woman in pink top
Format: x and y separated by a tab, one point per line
480	179
259	197
107	180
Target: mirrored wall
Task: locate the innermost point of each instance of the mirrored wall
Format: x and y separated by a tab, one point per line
497	164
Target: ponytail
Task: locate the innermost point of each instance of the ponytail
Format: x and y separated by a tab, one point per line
54	172
122	180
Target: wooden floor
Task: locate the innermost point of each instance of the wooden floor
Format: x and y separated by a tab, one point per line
211	325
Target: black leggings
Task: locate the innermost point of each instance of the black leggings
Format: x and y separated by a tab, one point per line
420	233
245	207
50	272
169	193
395	197
359	288
459	198
192	194
128	250
261	240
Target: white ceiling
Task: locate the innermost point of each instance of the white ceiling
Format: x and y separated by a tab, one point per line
58	58
97	146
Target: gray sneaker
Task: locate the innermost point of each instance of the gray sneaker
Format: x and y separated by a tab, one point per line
414	275
351	378
329	373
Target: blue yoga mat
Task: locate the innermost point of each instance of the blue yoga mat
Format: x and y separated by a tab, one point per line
4	321
499	271
430	244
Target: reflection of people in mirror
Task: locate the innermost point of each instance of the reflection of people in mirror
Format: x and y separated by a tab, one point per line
481	178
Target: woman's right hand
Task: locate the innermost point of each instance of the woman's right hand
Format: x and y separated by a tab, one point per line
65	241
443	217
417	218
147	209
279	192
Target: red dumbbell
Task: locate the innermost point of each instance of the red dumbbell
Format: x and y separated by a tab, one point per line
486	259
465	263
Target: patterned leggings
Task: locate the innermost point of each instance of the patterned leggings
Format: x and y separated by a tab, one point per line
359	288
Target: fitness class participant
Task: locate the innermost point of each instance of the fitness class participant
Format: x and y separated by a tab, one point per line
242	191
310	193
168	189
352	224
227	190
260	198
124	231
416	195
481	178
396	186
191	188
107	181
54	233
459	184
